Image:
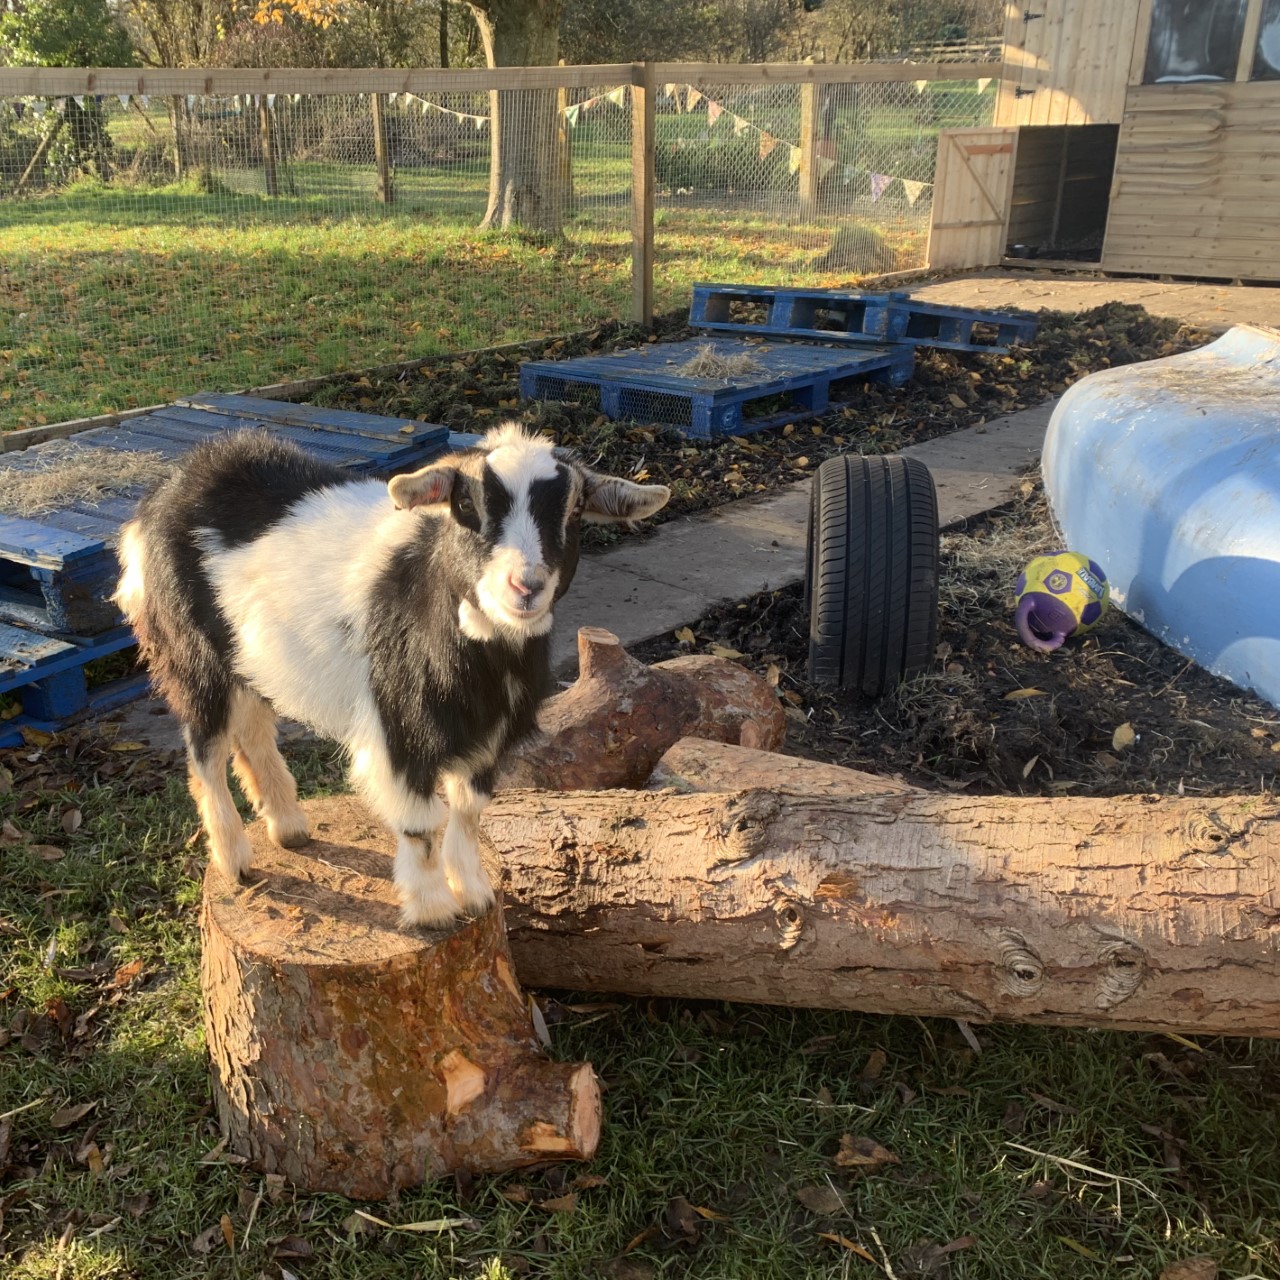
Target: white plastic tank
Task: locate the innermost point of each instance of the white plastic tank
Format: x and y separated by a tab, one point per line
1167	474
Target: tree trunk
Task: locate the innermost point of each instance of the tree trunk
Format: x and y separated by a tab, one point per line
613	724
357	1058
767	878
525	188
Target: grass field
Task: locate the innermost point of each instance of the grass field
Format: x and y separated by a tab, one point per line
1050	1153
117	296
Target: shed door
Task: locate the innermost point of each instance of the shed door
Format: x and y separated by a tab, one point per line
972	186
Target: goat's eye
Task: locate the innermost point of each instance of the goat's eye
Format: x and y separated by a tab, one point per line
465	505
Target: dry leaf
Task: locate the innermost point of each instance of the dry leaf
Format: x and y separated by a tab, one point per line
874	1065
228	1231
686	636
208	1239
1082	1249
6	781
116	925
1123	738
517	1193
822	1199
9	834
432	1227
49	852
65	1117
772	675
1031	764
126	973
863	1153
587	1181
72	819
845	1243
710	1214
91	1154
292	1247
1105	760
956	402
128	746
561	1204
1024	693
720	651
1200	1267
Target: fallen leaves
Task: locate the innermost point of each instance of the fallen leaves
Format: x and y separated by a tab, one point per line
1124	737
822	1199
432	1226
865	1154
1201	1267
65	1117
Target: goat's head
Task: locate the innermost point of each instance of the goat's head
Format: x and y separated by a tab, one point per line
515	504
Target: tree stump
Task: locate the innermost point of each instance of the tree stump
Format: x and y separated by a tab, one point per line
355	1057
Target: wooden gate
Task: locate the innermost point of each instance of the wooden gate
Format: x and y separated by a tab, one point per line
972	187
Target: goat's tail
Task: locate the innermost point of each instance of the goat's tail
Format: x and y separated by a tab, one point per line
130	593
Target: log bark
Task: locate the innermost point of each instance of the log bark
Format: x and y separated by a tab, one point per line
766	878
611	727
354	1057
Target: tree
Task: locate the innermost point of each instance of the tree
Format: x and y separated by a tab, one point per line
525	186
68	33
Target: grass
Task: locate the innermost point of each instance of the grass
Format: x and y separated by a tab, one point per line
721	1121
115	297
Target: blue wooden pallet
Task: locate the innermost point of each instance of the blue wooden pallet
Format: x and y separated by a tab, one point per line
836	315
644	385
58	570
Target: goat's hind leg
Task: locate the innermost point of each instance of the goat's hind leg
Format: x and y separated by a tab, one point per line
207	777
263	774
468	798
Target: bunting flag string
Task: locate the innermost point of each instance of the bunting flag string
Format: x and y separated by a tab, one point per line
480	121
982	83
879	181
913	190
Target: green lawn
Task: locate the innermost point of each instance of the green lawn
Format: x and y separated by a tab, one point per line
117	296
1051	1153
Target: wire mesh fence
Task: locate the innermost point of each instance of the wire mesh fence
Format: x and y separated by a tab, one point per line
152	246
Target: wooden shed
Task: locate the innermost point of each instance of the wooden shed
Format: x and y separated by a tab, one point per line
1136	135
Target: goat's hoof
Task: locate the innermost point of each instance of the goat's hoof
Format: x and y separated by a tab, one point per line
289	833
476	896
233	862
429	915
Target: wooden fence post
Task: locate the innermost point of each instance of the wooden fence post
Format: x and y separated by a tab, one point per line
267	135
564	147
385	192
809	176
643	87
179	160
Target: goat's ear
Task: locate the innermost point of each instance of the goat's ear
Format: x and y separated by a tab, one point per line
611	500
429	487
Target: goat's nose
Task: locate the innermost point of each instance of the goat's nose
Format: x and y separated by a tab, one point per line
526	583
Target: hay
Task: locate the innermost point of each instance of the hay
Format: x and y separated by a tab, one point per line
74	474
707	362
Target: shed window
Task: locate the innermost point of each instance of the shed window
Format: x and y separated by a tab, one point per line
1266	57
1195	40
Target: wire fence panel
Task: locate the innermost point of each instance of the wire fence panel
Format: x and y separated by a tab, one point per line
154	246
811	185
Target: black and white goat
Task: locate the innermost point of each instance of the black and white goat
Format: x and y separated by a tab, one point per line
409	621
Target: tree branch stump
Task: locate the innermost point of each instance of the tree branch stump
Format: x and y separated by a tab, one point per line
776	880
355	1057
612	725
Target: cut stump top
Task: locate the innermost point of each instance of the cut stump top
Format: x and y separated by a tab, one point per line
331	902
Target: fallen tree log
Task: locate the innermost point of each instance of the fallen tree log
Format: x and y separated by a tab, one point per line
765	878
611	727
353	1056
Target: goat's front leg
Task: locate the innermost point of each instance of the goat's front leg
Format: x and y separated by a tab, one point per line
416	820
467	800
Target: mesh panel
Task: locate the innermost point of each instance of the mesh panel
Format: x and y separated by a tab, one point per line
151	248
655	406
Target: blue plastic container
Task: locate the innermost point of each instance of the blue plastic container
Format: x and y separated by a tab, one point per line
1168	474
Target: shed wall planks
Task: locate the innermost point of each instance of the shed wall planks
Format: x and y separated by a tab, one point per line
1067	61
1197	182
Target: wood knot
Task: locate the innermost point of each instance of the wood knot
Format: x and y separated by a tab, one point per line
1205	832
790	920
1021	971
1124	965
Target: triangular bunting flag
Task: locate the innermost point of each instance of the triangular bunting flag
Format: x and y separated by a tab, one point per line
145	99
124	100
271	101
19	108
793	159
740	126
913	189
668	90
879	181
590	102
78	98
767	144
191	101
617	96
982	84
481	121
694	98
825	165
714	111
37	108
571	114
847	174
920	85
295	98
